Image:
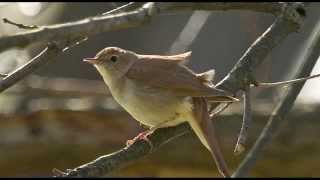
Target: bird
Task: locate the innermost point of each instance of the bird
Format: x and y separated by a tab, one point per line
161	91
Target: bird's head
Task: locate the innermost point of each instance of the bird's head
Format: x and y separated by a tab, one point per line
112	62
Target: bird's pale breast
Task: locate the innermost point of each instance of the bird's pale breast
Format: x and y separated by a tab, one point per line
151	106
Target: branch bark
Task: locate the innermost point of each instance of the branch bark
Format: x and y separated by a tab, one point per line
110	22
42	58
282	109
240	146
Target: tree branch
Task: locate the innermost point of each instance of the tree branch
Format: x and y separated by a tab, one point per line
241	74
107	163
20	26
289	21
282	109
42	58
245	122
99	24
125	8
274	8
61	87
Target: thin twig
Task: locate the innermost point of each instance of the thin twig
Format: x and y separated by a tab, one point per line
58	172
21	26
279	30
126	7
267	85
3	75
240	146
282	109
214	113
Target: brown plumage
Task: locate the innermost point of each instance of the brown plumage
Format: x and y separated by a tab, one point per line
160	91
175	77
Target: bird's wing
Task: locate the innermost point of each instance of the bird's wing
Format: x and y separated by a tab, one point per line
181	59
204	129
171	76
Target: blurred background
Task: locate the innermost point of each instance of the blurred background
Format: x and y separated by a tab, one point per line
62	116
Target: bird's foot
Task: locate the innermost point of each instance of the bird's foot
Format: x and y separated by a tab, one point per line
141	136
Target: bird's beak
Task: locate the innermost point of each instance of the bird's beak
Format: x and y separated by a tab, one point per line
91	60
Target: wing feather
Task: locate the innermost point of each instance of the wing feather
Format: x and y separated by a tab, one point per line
172	76
181	59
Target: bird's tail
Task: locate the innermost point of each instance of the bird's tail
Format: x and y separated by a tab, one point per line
204	129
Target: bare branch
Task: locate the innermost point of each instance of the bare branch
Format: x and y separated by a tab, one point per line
3	75
214	113
241	74
139	148
58	172
245	122
267	85
125	8
289	21
77	30
95	25
282	109
274	8
21	26
42	58
61	87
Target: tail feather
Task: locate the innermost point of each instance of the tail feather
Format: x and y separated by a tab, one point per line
204	129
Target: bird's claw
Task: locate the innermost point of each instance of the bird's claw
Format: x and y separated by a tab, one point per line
141	136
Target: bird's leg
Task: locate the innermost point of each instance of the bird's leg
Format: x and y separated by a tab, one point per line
141	136
144	135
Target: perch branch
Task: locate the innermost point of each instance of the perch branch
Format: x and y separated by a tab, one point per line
287	22
107	163
282	109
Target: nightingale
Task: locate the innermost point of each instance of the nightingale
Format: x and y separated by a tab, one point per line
161	91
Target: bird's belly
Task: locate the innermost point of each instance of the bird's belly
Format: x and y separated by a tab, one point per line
152	107
150	114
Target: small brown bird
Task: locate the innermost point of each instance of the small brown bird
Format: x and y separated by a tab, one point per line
160	91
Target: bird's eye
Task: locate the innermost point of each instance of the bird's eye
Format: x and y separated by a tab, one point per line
113	58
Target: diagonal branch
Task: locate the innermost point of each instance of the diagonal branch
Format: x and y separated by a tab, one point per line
289	21
61	87
123	157
21	26
91	26
125	8
42	58
282	109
